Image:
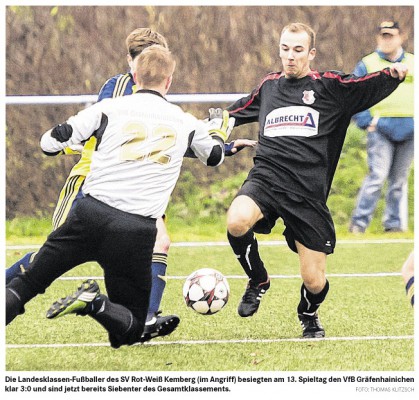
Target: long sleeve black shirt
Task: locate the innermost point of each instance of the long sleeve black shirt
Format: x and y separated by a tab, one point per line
303	123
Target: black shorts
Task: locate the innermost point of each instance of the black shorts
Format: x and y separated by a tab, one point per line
122	243
306	221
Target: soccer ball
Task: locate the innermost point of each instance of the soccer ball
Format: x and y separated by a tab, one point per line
206	291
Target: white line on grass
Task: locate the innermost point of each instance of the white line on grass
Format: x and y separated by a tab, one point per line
261	243
357	275
200	342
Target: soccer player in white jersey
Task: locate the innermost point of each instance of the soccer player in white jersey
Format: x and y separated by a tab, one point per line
141	141
124	85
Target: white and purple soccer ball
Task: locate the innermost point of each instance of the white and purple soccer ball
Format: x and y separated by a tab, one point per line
206	291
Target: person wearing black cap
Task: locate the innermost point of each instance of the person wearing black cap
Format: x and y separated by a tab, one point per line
390	130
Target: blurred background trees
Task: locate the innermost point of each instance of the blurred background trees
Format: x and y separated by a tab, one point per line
74	50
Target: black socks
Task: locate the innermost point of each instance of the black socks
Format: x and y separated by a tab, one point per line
309	302
246	250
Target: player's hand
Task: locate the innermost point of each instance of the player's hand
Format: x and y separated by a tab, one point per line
239	144
215	113
220	124
398	70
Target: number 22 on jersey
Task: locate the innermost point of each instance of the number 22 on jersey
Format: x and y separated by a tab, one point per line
148	145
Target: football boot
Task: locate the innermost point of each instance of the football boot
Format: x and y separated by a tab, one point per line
251	299
80	302
312	328
159	326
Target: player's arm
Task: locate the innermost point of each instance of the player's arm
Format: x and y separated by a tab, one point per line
246	110
237	145
361	93
208	138
74	131
230	148
106	91
113	87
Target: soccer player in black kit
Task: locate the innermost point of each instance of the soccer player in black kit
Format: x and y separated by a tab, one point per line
303	116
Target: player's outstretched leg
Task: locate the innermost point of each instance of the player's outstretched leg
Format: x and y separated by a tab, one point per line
156	324
19	266
122	326
247	252
408	270
81	302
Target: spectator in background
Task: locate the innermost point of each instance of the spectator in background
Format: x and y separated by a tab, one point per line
390	135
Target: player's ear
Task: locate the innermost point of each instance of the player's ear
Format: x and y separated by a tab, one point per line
312	54
129	60
134	75
169	82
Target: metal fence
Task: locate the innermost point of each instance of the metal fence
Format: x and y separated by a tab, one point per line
89	99
212	98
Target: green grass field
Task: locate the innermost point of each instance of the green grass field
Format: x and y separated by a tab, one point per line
367	317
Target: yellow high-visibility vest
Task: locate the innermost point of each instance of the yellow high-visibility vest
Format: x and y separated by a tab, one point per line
400	102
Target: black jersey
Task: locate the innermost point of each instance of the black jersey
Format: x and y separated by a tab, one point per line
303	123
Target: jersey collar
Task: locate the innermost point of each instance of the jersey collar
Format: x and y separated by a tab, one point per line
313	74
151	92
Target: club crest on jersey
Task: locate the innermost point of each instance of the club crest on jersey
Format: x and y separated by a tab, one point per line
308	97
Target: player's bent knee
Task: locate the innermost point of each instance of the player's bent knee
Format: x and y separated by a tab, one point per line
314	284
237	225
242	215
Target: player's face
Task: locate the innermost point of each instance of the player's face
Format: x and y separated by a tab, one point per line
295	54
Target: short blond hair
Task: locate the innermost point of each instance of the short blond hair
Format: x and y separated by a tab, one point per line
155	64
300	27
141	38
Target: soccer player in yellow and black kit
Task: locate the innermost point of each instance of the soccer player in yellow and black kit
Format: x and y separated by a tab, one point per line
119	85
